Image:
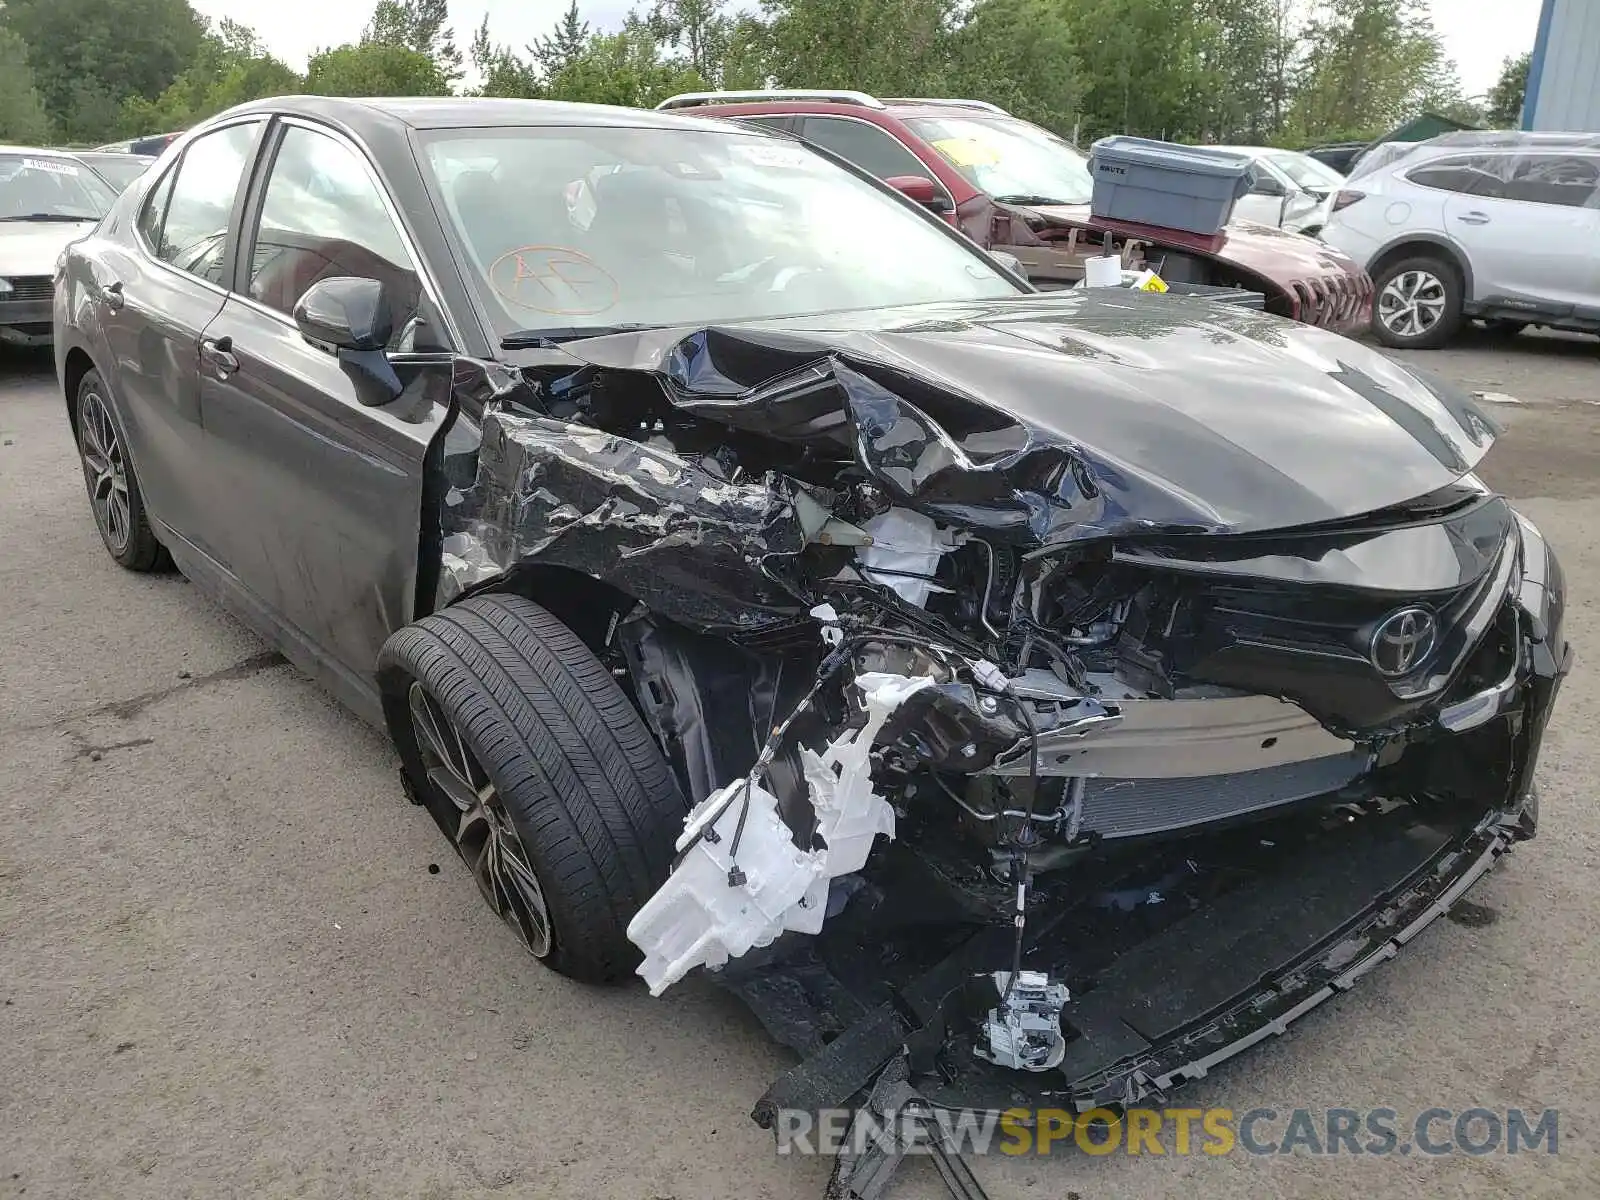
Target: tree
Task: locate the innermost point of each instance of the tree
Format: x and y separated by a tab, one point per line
22	115
1505	97
1374	64
500	71
374	69
701	31
88	55
1142	71
890	47
564	46
626	68
1018	54
231	67
419	25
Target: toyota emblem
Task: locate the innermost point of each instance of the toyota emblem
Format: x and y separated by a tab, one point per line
1403	640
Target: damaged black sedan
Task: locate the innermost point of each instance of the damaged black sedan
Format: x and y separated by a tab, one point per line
1030	696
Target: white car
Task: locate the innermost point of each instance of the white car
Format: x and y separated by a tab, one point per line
1288	190
1499	227
47	200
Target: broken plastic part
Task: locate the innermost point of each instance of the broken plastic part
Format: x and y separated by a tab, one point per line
828	617
713	908
1024	1029
904	552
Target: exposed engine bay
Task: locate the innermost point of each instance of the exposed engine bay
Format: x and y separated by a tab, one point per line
1155	699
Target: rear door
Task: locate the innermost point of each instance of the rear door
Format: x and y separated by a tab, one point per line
1518	224
156	299
323	497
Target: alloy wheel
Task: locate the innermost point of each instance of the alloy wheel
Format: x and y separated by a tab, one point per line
105	469
486	835
1412	303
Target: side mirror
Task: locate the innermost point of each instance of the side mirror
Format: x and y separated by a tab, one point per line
345	313
1266	185
353	316
923	190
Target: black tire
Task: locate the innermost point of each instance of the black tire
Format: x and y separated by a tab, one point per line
108	474
592	800
1449	320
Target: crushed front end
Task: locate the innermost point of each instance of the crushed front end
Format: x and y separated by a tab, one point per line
1051	764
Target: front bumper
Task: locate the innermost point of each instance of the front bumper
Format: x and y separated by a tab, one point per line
1168	988
25	322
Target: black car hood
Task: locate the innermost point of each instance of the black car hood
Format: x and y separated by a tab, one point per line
1050	419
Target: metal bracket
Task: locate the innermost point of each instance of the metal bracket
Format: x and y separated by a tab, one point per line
897	1108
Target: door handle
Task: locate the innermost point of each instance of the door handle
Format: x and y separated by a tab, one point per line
1473	218
219	353
114	296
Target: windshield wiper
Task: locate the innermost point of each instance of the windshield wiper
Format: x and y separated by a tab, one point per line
537	339
41	216
1026	199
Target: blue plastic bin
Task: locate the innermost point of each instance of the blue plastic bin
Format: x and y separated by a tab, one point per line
1162	183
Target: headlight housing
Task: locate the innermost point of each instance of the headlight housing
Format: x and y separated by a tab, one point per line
5	287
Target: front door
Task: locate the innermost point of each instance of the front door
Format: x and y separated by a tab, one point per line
319	467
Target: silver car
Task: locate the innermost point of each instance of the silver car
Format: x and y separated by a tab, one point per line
1499	227
46	201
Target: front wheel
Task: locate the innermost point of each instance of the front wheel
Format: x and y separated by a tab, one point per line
539	769
1418	305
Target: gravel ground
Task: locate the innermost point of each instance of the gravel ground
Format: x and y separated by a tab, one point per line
228	967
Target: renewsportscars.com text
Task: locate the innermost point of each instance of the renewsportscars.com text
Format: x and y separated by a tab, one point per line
1181	1131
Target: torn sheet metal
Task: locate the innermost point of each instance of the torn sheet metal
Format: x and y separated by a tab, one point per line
686	543
1050	420
742	881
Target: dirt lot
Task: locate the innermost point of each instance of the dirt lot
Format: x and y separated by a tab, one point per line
228	968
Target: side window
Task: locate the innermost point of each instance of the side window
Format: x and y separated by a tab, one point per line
200	200
1565	180
323	215
782	124
154	211
1471	175
869	147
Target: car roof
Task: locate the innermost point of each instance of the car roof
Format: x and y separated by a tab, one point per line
468	112
37	151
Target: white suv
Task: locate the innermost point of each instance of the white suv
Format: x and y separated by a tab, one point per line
1502	227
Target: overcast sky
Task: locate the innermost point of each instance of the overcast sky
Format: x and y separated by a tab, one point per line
296	29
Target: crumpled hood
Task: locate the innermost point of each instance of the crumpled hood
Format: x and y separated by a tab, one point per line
1277	255
1051	419
28	248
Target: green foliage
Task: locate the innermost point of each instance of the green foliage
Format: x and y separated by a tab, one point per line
374	69
1270	71
89	55
887	47
500	71
1020	55
625	68
1505	97
1374	64
566	44
231	67
22	117
419	25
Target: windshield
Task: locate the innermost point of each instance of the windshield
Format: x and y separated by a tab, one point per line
1379	157
593	227
43	187
119	170
1308	174
1009	159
